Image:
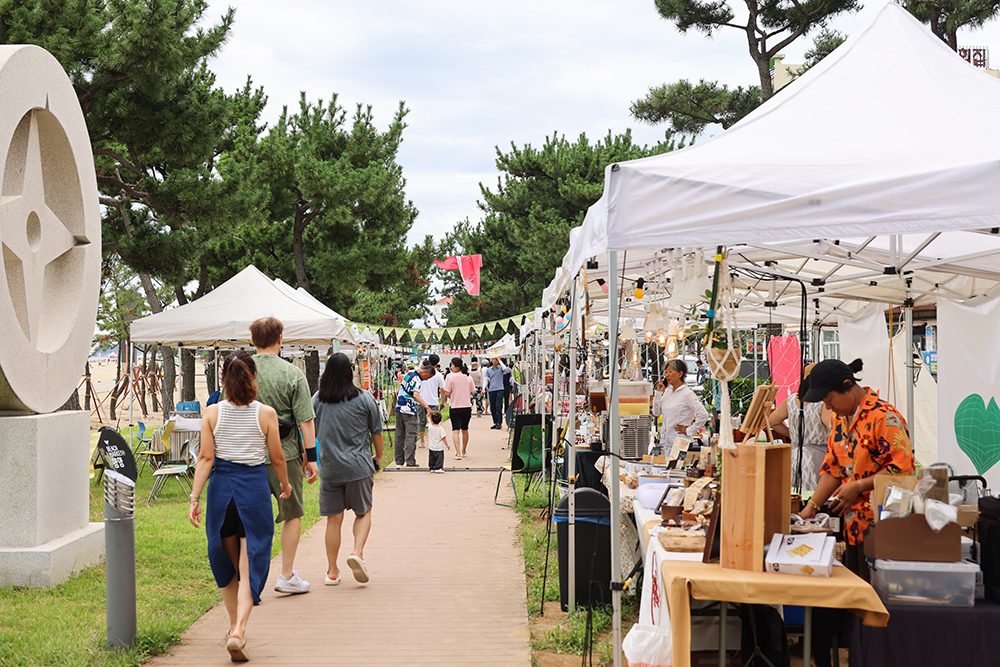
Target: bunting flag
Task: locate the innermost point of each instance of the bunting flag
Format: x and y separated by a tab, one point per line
468	266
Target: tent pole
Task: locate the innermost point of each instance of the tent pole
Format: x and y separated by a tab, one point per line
613	438
555	410
570	452
908	318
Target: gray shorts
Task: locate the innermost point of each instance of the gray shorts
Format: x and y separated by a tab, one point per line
335	497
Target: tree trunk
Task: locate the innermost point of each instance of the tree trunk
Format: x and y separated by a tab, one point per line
312	371
152	383
116	392
210	372
298	248
87	385
169	380
144	387
187	375
187	357
72	403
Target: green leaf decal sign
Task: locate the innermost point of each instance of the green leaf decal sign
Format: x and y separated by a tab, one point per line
977	430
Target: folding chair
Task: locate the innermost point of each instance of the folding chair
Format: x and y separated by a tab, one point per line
528	456
154	452
179	470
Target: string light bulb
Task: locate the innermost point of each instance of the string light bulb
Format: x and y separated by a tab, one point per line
639	293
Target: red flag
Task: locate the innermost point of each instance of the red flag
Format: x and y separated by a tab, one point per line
469	266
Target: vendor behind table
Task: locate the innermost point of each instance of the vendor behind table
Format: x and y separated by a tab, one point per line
682	412
868	437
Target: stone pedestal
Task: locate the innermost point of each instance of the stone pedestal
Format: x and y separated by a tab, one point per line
45	529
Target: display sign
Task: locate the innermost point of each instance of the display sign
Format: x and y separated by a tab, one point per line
116	453
930	360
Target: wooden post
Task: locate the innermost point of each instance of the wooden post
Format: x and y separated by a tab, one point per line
756	486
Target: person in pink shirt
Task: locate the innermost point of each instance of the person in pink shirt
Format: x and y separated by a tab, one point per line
458	391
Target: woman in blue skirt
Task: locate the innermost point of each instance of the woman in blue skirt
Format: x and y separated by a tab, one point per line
237	434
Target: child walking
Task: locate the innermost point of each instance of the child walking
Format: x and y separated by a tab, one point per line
438	443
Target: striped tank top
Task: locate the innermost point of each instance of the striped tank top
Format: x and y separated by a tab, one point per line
237	433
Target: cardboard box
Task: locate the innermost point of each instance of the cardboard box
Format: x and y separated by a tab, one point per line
882	482
911	539
968	515
808	555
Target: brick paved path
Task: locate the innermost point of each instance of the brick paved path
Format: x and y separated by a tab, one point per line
447	582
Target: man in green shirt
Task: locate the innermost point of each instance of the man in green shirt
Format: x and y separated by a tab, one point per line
282	386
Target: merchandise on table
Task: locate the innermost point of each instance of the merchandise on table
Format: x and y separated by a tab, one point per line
810	554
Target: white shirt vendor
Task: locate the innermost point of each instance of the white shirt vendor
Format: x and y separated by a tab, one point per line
678	406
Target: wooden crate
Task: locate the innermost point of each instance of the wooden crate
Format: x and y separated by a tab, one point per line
756	487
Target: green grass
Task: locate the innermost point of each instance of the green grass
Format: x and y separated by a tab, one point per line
569	636
67	625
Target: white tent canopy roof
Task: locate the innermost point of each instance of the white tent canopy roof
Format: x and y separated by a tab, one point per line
222	317
846	152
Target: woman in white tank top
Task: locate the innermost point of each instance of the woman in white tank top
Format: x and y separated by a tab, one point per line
236	436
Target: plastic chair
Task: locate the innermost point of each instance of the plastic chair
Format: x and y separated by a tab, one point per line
179	471
157	450
528	457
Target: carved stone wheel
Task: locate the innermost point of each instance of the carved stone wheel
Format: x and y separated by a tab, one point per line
50	233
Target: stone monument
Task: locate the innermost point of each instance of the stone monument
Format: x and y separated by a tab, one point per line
50	259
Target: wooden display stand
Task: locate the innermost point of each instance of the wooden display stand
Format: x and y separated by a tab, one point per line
756	487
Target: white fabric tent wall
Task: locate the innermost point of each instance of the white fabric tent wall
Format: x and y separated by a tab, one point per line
969	370
924	429
865	337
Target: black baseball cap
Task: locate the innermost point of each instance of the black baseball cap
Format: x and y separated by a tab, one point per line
827	376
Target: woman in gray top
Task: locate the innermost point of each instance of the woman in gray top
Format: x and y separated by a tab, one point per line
347	424
812	421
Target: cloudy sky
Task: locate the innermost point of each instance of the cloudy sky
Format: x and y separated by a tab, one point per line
477	75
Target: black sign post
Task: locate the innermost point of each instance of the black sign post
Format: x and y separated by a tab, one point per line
116	453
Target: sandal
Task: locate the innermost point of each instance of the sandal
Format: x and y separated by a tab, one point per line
358	568
237	649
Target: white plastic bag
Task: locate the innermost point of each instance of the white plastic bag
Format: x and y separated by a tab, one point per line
939	514
648	646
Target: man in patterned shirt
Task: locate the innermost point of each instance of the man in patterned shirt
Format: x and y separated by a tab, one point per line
405	444
868	437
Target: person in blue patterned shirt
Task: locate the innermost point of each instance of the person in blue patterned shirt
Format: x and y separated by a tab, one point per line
405	443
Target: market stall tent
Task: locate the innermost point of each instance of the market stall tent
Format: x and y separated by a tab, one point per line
222	317
892	136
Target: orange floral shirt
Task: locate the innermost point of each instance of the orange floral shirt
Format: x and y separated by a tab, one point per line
877	441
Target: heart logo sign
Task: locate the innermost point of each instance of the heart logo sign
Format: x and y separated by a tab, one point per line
977	430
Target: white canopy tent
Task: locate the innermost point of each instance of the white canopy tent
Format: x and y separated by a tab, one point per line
846	152
222	317
873	145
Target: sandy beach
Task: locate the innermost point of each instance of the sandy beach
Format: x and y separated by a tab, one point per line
102	375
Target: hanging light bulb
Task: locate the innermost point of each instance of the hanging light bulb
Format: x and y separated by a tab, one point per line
628	331
604	286
649	325
639	293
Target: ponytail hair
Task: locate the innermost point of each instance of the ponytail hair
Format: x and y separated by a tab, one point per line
238	373
456	362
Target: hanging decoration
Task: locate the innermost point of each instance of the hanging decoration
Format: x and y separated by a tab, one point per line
468	266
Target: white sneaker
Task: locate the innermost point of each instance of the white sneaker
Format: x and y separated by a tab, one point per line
440	470
295	585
